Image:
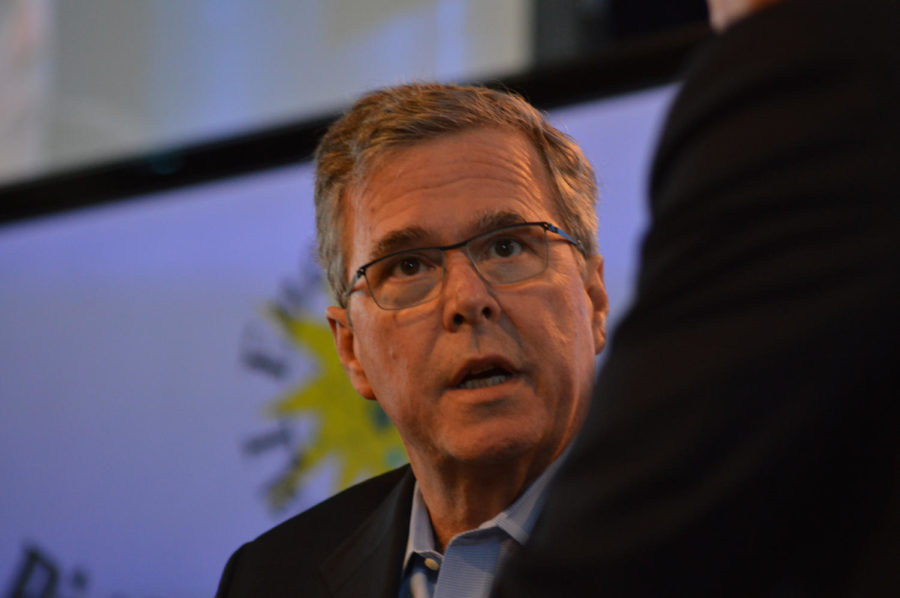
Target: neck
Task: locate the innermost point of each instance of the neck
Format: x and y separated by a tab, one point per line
460	498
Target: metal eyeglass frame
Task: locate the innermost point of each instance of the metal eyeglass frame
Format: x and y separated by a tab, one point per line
361	271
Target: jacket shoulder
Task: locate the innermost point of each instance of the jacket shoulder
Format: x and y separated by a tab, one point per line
291	552
332	520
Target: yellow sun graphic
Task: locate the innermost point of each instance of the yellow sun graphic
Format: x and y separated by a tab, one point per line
350	429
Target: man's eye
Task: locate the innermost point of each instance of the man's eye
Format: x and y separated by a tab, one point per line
506	248
407	266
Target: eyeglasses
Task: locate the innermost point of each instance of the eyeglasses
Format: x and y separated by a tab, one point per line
505	255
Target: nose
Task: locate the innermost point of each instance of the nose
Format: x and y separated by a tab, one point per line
466	297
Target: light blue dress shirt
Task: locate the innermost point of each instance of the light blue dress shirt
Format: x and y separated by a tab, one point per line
472	558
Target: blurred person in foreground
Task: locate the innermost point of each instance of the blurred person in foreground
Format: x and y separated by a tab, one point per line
457	230
743	439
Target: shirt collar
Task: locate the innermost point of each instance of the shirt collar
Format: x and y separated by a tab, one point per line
517	519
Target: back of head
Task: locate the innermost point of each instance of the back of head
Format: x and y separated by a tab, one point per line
399	117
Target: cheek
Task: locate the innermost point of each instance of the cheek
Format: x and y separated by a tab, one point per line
567	334
570	313
385	356
576	359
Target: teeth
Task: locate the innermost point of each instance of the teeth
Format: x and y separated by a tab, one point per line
484	382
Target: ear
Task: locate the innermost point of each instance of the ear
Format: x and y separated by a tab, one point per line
345	342
596	291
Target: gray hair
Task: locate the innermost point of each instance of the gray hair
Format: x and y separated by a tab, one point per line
398	117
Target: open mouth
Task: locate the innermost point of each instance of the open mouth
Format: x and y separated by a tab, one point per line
484	378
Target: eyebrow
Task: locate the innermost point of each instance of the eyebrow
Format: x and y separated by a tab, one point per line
495	219
398	240
414	237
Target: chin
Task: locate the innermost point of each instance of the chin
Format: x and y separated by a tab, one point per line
493	448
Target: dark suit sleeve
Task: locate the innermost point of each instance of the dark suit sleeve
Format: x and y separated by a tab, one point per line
743	436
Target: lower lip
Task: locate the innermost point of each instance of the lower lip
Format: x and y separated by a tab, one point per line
487	391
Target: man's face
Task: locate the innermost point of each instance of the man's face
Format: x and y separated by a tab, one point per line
544	331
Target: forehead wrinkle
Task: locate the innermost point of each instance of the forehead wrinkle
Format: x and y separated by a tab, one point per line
516	184
527	190
493	168
515	164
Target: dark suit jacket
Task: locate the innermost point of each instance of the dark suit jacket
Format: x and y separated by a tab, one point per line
349	546
743	439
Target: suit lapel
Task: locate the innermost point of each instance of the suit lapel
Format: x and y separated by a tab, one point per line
367	564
